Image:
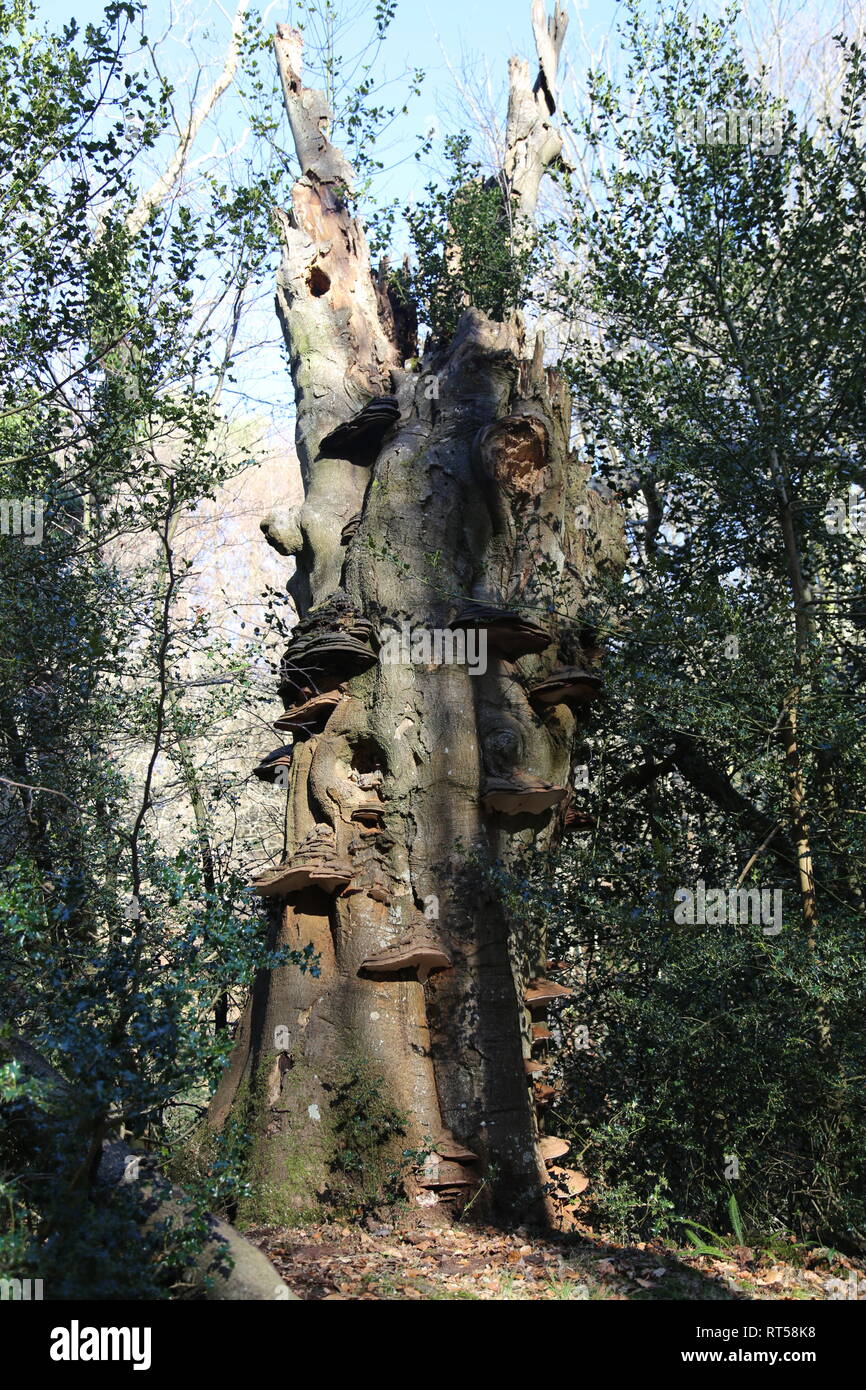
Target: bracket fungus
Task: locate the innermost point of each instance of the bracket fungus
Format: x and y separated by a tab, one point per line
508	633
419	952
552	1148
450	1179
369	818
520	794
323	662
569	1182
267	769
543	1093
348	532
310	715
316	864
360	438
446	1146
332	643
540	992
568	685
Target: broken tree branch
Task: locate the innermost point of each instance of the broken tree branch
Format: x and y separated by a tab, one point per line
532	142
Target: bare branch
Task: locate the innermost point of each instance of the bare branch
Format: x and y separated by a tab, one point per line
163	186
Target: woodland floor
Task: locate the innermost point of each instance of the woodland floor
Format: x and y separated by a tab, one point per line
377	1261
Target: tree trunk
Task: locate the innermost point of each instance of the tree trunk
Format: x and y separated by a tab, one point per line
430	772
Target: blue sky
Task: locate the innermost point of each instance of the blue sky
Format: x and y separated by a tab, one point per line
443	37
449	39
453	41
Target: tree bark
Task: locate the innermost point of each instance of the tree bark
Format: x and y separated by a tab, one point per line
473	496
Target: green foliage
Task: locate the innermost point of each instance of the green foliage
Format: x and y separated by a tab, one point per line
367	1164
703	1053
114	945
466	249
719	1242
723	293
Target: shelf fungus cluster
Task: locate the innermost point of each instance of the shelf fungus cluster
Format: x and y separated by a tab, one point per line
520	793
568	685
330	646
507	633
316	864
451	1171
309	715
274	766
563	1185
538	994
531	704
443	494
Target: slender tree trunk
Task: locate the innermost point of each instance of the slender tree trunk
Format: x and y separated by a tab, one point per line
804	634
428	774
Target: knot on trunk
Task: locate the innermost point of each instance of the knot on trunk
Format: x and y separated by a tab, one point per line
513	452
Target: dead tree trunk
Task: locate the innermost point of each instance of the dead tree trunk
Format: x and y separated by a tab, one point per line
445	521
